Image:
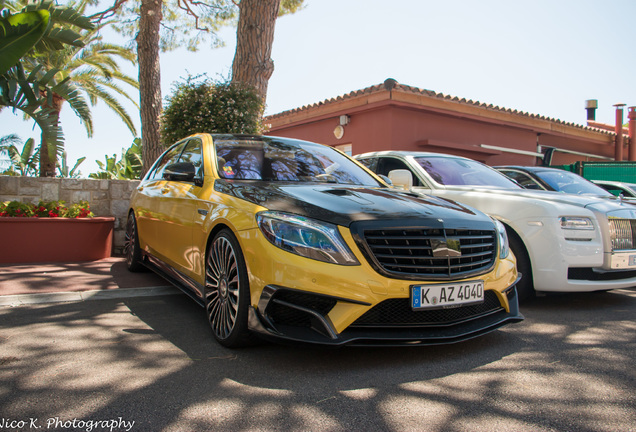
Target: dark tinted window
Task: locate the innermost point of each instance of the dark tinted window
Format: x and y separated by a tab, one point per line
193	153
568	182
523	179
453	171
371	163
387	164
286	160
171	156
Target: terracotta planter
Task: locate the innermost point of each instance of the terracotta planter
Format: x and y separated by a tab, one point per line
55	239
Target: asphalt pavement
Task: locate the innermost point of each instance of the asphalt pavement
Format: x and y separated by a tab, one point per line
143	361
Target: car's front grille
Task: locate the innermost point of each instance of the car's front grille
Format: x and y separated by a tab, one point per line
398	313
622	233
436	252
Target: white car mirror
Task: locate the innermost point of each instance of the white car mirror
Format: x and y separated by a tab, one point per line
401	179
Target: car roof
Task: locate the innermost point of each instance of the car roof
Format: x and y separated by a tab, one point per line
531	169
614	182
409	153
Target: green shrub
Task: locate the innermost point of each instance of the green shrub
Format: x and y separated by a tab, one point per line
206	106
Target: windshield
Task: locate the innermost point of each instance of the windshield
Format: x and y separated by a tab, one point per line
567	182
450	171
275	159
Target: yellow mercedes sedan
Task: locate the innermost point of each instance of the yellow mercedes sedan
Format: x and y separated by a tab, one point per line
294	241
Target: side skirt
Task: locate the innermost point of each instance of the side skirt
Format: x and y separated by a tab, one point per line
185	283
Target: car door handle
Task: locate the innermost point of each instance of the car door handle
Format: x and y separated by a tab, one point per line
202	212
165	190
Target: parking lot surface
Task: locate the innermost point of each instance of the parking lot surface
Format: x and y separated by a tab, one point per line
150	364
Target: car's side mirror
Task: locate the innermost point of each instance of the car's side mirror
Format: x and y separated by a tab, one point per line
386	179
180	171
401	178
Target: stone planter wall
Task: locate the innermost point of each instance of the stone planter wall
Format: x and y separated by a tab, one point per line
106	197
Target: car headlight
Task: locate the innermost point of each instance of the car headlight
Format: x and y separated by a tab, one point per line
504	246
305	237
576	223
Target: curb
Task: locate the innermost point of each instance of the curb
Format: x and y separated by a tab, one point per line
59	297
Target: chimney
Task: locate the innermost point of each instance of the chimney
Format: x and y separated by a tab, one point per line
618	148
590	107
631	115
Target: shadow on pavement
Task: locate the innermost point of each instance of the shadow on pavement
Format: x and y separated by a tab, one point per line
154	361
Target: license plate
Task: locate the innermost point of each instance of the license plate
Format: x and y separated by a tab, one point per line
447	295
632	260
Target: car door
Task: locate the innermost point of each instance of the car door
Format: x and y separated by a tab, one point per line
178	207
150	205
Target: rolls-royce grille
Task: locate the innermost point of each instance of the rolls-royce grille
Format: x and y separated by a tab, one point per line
623	233
432	252
398	312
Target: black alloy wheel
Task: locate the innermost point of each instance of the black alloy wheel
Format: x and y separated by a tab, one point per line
132	252
525	287
227	293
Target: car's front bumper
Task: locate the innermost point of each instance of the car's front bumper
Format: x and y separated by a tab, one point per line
295	316
298	299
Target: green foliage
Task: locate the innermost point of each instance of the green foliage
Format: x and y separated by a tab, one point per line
63	167
77	67
24	162
187	23
128	168
29	94
79	210
19	33
210	107
94	71
32	92
21	162
16	209
49	209
184	23
290	7
65	20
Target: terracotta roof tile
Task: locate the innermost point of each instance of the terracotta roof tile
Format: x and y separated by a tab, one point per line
395	86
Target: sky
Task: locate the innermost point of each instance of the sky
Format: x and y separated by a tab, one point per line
543	57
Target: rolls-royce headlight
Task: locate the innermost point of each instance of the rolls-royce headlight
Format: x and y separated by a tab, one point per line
305	237
576	223
504	246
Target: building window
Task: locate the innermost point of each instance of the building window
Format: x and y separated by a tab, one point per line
345	148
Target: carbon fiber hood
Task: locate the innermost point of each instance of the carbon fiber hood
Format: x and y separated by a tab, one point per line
342	204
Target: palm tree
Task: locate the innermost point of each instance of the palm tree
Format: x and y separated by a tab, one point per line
37	28
94	71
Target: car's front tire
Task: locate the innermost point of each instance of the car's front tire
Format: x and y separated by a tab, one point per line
525	287
227	291
132	251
